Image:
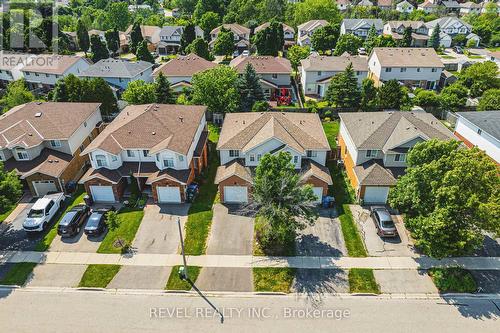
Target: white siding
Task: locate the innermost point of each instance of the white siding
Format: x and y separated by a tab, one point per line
348	141
76	140
483	141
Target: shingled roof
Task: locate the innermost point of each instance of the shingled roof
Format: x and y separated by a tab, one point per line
262	64
184	66
407	57
116	68
331	63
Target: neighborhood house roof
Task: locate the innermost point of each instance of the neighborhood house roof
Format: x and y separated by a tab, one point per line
116	68
374	174
184	66
487	121
354	24
153	127
28	125
170	30
262	64
446	22
50	162
413	24
384	3
300	131
388	130
407	57
51	63
146	30
234	27
267	24
233	168
335	64
313	24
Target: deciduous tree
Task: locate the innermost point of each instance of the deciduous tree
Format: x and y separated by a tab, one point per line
224	44
82	37
490	100
325	38
200	47
17	93
348	43
139	92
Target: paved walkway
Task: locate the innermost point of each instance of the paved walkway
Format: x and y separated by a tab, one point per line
142	259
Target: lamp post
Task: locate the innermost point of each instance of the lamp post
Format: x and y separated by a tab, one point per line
183	272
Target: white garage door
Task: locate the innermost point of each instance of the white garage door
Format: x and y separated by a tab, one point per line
43	187
318	191
102	193
169	194
375	194
235	194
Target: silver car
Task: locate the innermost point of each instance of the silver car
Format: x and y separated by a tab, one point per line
383	222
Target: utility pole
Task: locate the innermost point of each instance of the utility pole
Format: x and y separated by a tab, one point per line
183	272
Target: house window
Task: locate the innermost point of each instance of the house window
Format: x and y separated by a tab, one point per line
114	158
434	70
22	154
158	157
295	159
312	153
402	70
319	73
130	153
371	153
84	124
252	158
101	161
358	73
275	76
418	69
388	70
145	153
181	158
234	153
400	157
168	162
259	156
479	131
55	143
36	74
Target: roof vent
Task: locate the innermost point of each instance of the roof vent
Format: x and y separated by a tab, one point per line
38	114
129	132
181	119
153	133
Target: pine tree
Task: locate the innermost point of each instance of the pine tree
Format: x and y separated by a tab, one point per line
99	50
188	36
143	52
368	96
434	39
163	90
407	38
249	88
135	36
60	92
371	39
343	91
82	37
112	40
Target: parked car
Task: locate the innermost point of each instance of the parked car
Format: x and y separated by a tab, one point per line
245	53
42	212
71	223
383	222
96	224
362	51
458	49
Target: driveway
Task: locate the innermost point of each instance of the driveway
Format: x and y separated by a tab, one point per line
141	277
314	282
78	243
324	238
56	275
377	246
231	234
158	232
404	281
488	281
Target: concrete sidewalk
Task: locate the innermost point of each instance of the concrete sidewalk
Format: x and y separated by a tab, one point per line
142	259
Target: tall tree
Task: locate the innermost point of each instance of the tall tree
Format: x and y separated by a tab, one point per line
163	90
188	36
224	44
135	36
453	97
450	196
17	93
143	53
11	189
390	95
139	92
216	88
119	15
297	53
82	36
368	95
325	38
316	10
208	22
200	47
371	39
480	77
98	48
407	38
112	40
343	91
434	39
348	43
490	100
249	88
270	41
284	205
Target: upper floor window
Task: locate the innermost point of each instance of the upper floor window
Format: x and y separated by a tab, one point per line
114	158
371	153
101	161
22	154
181	158
403	69
259	156
295	159
388	69
130	153
434	69
275	76
252	158
319	73
145	153
312	153
55	143
400	157
168	162
234	153
418	69
479	131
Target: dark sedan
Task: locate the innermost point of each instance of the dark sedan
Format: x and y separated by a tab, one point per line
72	221
96	223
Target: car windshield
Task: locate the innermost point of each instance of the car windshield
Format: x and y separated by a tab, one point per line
387	224
35	213
67	218
94	220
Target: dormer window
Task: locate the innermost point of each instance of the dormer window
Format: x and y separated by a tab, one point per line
400	157
312	153
130	153
55	143
22	154
234	153
371	153
168	162
145	153
101	161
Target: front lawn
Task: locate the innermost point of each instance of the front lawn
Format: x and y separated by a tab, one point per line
76	198
98	276
129	220
331	129
18	273
7	213
275	279
287	249
175	282
453	279
361	280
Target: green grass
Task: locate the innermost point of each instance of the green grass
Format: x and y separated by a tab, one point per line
276	279
213	133
175	283
200	213
447	57
475	56
129	220
98	276
352	238
7	213
18	274
331	129
361	280
453	279
45	242
287	249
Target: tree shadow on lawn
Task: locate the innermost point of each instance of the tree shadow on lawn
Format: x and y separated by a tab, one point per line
314	283
311	245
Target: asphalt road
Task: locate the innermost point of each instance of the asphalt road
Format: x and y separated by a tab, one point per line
15	238
90	311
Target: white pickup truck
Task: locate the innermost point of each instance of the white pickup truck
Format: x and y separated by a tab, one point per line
42	212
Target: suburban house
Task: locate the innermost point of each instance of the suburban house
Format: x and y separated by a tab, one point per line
241	36
119	73
384	4
360	27
179	71
374	145
170	39
151	33
42	142
480	129
343	5
419	33
43	71
470	7
427	6
274	72
405	7
452	26
11	64
288	33
246	137
161	147
317	71
451	6
306	30
493	56
413	67
365	3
